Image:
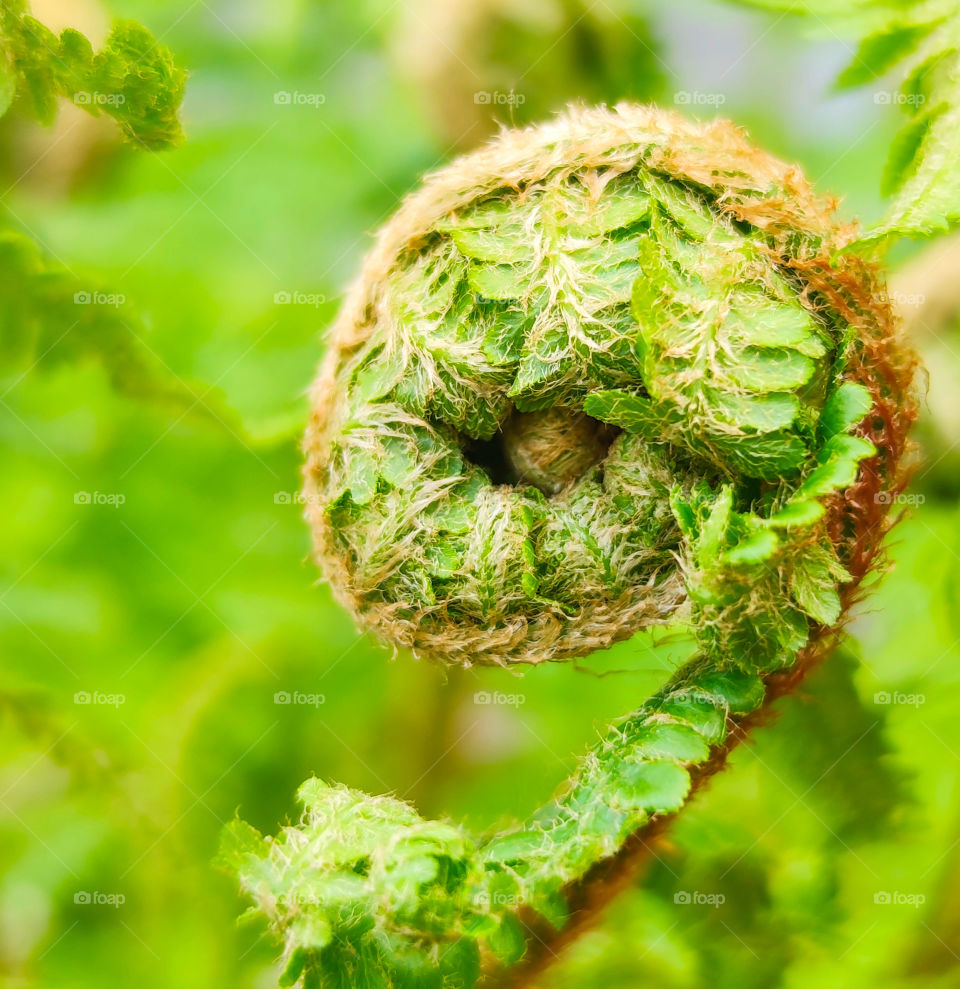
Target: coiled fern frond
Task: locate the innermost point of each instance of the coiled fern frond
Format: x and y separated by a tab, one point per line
603	374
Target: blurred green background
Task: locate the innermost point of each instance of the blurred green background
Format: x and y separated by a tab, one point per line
169	656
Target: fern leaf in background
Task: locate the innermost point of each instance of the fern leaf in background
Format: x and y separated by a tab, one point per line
132	79
48	313
51	316
917	44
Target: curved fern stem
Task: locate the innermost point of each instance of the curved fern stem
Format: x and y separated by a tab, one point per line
601	375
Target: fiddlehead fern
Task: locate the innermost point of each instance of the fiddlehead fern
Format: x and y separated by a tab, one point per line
602	374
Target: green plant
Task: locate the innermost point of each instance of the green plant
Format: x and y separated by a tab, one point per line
611	372
921	42
48	313
132	79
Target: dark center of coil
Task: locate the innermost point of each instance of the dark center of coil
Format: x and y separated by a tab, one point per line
548	449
